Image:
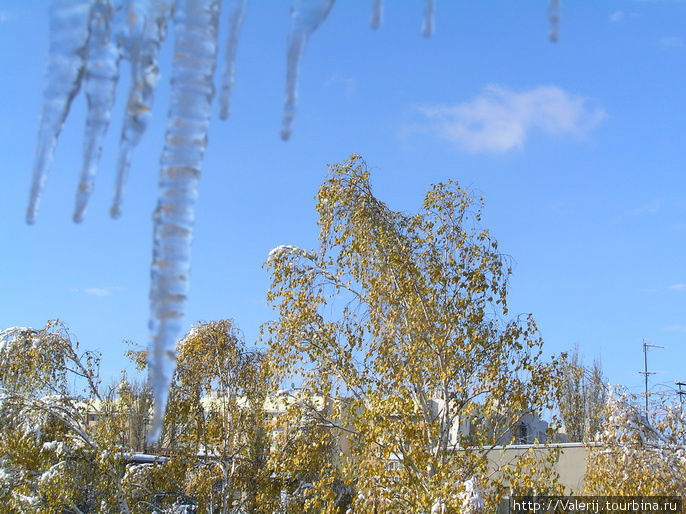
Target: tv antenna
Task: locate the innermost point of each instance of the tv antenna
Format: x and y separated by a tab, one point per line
645	371
681	393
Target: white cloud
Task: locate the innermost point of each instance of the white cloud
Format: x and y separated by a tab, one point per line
675	328
97	291
499	120
675	42
617	16
348	84
620	16
678	287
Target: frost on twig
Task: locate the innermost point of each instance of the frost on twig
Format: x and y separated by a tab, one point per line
283	251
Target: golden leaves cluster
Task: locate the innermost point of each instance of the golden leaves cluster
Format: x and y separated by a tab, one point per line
404	316
52	460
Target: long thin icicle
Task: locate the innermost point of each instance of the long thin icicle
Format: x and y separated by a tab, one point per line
192	89
428	23
377	14
68	37
554	18
306	16
236	17
102	74
147	30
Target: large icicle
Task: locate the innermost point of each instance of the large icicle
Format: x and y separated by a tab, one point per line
102	74
377	14
192	89
68	37
236	17
306	16
147	30
428	23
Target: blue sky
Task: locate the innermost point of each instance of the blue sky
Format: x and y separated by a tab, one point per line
578	147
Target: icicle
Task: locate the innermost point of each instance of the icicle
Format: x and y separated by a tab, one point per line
192	89
102	74
68	36
428	23
306	16
147	30
377	14
236	17
554	18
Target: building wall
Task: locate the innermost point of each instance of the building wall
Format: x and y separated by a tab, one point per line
570	465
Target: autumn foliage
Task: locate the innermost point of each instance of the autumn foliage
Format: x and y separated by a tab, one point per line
405	316
391	370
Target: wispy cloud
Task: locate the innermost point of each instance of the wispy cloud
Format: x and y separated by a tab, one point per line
617	16
4	16
675	328
648	208
98	291
499	120
620	16
348	84
677	287
672	42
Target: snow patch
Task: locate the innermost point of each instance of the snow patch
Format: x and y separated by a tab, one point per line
283	251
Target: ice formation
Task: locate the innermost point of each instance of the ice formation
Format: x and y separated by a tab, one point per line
554	18
428	24
377	14
195	52
236	17
101	76
306	16
88	39
68	37
147	27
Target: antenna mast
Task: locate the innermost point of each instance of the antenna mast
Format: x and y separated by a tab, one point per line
681	393
645	371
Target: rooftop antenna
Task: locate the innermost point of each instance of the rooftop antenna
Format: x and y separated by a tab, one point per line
681	393
645	371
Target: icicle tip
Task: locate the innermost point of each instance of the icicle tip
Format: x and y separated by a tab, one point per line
115	211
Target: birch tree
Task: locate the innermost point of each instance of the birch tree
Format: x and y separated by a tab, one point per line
214	430
51	458
405	319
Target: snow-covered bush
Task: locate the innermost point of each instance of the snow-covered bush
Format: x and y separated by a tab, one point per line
51	458
637	455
